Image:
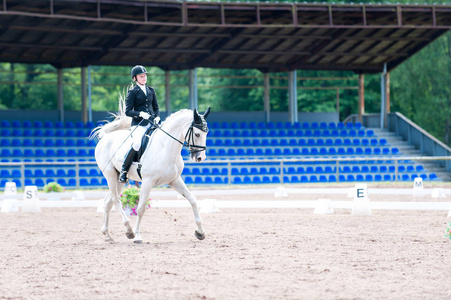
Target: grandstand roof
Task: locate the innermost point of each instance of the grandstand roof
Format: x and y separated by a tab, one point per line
184	34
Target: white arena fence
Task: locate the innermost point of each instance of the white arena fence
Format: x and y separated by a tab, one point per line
230	164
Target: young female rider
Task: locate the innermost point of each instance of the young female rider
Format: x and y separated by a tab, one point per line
141	105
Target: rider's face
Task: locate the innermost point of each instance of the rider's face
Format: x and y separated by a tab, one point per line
141	78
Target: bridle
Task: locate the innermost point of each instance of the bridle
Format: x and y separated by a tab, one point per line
189	137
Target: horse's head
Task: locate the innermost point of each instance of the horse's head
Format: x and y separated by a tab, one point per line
199	136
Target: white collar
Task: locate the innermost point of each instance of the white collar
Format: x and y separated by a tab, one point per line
143	88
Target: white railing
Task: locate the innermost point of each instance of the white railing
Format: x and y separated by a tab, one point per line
230	163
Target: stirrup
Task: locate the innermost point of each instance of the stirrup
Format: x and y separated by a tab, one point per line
123	177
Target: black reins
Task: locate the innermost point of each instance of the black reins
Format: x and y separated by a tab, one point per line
189	137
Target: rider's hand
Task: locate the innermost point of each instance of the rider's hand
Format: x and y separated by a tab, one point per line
144	115
156	120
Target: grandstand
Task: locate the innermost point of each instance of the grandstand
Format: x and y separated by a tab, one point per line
261	146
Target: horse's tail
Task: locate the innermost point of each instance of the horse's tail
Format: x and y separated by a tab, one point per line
120	122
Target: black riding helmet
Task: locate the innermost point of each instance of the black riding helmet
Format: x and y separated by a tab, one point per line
138	70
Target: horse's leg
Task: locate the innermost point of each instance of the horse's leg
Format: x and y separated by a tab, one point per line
129	232
146	185
180	186
107	205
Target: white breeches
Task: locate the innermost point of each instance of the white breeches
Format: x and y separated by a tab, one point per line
137	135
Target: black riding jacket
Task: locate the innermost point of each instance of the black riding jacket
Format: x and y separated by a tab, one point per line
137	102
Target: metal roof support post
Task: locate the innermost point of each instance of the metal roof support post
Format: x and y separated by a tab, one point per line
60	94
89	95
384	97
361	96
193	88
84	110
266	104
167	92
292	97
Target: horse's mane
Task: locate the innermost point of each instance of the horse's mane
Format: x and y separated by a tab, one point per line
178	114
120	122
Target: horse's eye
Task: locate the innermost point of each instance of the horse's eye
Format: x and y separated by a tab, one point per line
197	135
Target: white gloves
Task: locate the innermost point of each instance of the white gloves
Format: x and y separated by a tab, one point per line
144	115
156	120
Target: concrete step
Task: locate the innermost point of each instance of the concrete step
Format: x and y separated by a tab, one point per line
394	140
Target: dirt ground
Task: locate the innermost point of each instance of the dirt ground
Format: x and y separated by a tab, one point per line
247	254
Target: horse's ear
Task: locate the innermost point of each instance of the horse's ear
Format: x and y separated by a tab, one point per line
197	118
206	113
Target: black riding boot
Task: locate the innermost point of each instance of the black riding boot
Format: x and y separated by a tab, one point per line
126	166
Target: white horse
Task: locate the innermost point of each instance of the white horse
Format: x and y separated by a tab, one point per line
162	162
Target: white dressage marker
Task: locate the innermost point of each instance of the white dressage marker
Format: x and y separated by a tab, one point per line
418	189
10	204
208	206
281	191
324	207
438	193
30	200
361	203
78	196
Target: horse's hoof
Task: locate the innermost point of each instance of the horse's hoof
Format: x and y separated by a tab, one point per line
109	240
199	235
138	242
130	235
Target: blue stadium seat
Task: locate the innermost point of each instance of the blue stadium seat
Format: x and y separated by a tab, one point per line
82	152
89	125
304	179
84	182
332	178
294	179
16	143
350	178
38	143
39	153
27	132
61	181
352	133
39	182
17	132
433	176
72	182
50	173
3	182
6	132
5	124
94	182
359	178
308	133
71	152
250	152
82	143
388	177
313	178
218	180
38	133
48	124
5	143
